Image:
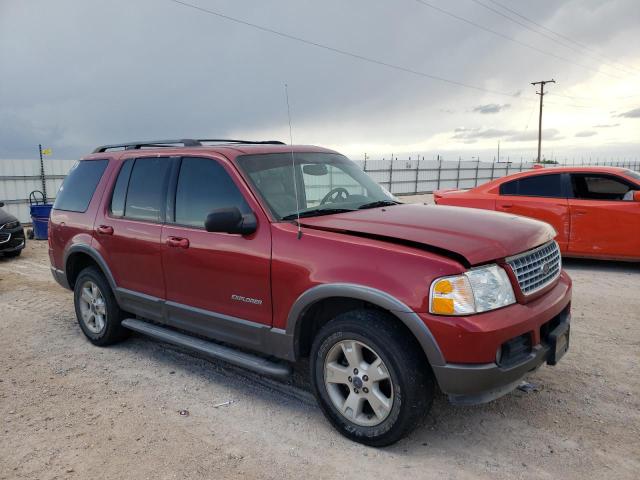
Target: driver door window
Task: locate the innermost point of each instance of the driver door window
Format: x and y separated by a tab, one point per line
204	185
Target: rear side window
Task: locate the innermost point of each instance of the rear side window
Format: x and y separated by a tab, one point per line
598	187
204	185
147	187
120	189
78	187
535	186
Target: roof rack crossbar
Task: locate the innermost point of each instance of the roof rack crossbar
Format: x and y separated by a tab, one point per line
184	142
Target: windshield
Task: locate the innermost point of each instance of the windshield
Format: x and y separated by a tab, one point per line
632	174
326	183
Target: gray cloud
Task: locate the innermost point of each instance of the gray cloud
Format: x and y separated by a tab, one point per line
586	133
105	72
491	108
635	113
607	125
470	135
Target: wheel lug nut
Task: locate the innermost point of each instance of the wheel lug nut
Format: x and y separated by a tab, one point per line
365	378
365	390
350	379
355	371
355	390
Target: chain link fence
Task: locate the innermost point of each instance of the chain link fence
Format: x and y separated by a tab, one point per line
401	177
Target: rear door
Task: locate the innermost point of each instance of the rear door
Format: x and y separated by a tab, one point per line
543	197
128	231
603	223
218	284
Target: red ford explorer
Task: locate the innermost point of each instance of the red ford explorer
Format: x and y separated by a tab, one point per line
260	254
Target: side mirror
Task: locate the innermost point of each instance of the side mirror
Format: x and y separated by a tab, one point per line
1	204
636	196
230	220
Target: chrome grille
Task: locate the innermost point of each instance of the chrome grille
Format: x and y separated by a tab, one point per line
536	268
4	237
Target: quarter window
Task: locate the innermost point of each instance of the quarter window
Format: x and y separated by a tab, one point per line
76	191
147	185
535	186
204	185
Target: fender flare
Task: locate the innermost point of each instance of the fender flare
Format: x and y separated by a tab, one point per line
377	297
93	253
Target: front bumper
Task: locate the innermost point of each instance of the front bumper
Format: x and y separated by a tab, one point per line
543	321
12	240
475	384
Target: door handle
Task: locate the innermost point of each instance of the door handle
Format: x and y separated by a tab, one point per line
178	242
507	205
580	212
105	230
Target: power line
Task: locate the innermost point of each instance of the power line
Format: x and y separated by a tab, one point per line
355	55
584	47
560	42
343	52
511	39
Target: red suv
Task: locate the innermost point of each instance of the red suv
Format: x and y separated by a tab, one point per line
262	254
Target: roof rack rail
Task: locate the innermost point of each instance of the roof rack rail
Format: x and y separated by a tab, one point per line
184	142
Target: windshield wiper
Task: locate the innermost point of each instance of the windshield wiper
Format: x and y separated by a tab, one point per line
378	203
317	212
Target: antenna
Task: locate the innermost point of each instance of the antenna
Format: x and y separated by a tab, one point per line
293	162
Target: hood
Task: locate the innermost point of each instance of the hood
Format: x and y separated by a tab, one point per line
6	217
479	236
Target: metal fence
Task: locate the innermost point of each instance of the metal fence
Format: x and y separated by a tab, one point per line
400	177
20	177
409	177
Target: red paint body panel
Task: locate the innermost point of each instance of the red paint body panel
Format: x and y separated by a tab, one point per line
478	236
328	257
586	228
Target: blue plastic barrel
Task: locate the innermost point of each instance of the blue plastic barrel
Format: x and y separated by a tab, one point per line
40	220
40	211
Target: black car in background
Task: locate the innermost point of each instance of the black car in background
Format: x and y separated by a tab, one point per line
12	239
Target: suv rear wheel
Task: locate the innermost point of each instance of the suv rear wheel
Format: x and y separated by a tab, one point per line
97	311
371	382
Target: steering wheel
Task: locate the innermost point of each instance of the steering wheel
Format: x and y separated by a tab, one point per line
335	195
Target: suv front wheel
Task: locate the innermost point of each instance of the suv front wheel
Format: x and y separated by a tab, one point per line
97	311
371	380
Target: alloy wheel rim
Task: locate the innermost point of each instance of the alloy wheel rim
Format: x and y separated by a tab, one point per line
93	307
358	383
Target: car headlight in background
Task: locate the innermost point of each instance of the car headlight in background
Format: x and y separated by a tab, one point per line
10	225
478	290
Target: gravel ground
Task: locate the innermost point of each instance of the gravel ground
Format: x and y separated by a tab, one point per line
72	410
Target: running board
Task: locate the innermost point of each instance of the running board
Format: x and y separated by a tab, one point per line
209	349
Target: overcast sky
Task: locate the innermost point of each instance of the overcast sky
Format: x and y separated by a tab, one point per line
76	74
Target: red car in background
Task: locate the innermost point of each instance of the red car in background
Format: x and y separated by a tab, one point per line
595	210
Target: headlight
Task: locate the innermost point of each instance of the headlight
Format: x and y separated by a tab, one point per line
478	290
10	225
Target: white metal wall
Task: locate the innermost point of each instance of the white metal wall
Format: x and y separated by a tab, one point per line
19	177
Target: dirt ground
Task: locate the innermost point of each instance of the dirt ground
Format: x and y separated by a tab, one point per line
72	410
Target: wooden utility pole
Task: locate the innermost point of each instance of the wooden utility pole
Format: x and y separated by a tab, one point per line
542	83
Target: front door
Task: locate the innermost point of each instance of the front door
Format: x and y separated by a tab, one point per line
603	222
541	197
218	284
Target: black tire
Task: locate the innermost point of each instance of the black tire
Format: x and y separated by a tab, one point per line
113	331
13	254
407	367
